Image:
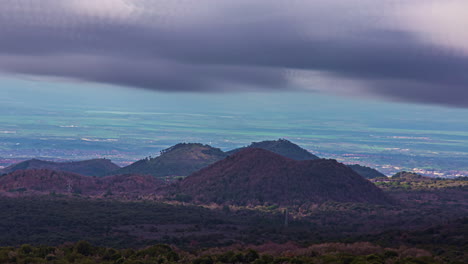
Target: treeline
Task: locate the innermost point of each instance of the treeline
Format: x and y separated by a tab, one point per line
83	252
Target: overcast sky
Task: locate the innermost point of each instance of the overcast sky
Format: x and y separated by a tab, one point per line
412	50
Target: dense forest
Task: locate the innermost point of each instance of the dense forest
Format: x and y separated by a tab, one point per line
83	252
428	231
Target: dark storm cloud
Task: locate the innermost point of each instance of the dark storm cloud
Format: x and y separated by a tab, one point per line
221	46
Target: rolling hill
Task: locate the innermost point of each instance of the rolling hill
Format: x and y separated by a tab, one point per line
44	181
257	176
179	160
94	167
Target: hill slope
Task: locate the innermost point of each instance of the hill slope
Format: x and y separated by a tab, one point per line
44	181
258	176
367	172
179	160
281	147
94	167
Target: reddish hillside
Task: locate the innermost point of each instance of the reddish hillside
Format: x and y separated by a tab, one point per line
44	181
281	147
257	176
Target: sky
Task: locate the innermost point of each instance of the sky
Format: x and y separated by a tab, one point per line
376	82
391	50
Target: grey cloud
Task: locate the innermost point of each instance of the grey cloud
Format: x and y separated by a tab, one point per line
235	47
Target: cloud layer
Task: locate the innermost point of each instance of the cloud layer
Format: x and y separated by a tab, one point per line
400	50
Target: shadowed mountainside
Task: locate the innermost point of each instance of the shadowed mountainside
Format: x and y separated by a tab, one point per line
258	176
367	172
94	167
179	160
281	147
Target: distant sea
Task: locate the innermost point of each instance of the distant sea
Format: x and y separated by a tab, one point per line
58	121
